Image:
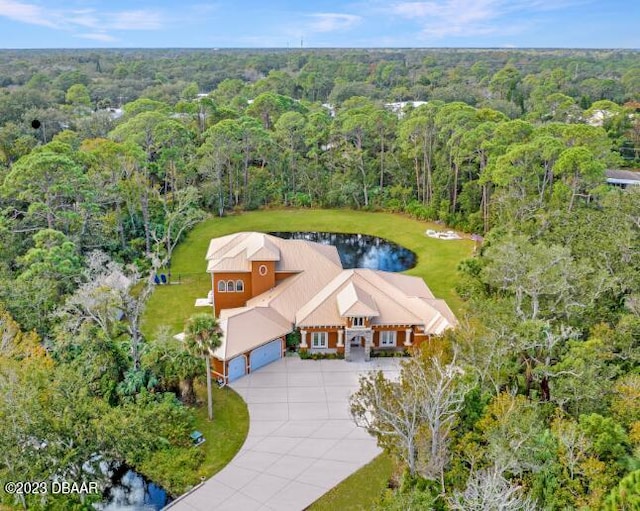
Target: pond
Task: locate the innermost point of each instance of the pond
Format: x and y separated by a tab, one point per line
360	250
131	491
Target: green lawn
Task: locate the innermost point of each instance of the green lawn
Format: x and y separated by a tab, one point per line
437	259
360	490
226	433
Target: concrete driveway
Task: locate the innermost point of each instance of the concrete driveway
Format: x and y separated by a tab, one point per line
301	443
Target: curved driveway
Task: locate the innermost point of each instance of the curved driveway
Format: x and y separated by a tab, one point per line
302	440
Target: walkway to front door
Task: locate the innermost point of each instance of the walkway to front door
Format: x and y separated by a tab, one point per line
357	354
302	440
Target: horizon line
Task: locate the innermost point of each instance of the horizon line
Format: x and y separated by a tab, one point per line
313	48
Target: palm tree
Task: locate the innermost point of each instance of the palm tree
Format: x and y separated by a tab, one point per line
202	337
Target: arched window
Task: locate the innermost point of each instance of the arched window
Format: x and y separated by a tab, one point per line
222	286
239	285
231	286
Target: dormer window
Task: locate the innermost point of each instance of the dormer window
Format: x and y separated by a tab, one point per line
231	286
222	286
358	321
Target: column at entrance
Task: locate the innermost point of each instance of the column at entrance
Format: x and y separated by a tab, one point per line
303	339
407	339
347	346
368	343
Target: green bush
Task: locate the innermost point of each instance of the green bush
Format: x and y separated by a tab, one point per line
293	339
307	355
304	354
160	467
384	353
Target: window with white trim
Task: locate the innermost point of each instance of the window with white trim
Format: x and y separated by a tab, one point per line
239	285
358	321
319	339
222	286
231	286
387	338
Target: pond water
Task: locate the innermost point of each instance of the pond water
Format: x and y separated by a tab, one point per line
359	250
130	491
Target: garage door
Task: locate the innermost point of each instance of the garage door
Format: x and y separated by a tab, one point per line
237	367
266	354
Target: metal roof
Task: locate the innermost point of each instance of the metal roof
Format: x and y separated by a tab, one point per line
320	292
622	177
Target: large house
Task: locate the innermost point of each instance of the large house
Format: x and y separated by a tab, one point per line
264	288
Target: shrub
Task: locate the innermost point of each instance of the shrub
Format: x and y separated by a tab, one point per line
307	355
293	339
161	466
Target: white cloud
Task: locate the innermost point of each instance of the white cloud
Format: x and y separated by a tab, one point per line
331	21
441	18
75	20
84	18
134	20
98	36
25	13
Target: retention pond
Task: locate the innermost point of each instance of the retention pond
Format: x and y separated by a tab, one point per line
360	250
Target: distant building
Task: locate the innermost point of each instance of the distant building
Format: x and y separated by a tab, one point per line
622	178
114	113
399	107
331	108
598	117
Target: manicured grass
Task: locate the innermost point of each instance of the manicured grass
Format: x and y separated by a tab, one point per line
360	490
437	259
226	433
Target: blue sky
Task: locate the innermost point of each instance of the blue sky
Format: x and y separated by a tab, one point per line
284	23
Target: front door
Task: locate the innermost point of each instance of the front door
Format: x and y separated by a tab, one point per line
356	341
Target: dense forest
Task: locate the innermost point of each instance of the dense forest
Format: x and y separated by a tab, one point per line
107	159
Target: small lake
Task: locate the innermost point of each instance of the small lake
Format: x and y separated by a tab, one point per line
130	491
360	250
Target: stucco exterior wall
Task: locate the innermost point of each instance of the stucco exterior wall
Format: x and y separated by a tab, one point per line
261	283
231	299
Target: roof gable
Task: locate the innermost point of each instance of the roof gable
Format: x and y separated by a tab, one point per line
245	328
261	248
353	301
